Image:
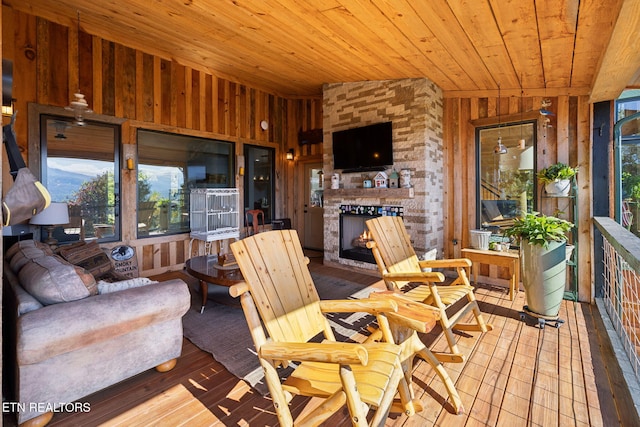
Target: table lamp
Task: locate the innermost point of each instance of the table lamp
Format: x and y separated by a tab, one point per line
56	214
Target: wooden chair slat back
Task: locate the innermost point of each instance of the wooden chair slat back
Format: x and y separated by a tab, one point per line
394	244
276	272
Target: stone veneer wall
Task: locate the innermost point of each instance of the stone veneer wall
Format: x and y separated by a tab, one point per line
415	108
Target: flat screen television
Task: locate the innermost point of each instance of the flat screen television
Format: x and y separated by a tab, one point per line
365	148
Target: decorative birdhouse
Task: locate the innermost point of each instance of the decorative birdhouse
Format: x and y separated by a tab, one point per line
380	180
393	179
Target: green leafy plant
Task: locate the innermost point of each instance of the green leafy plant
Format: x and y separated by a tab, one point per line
556	172
539	229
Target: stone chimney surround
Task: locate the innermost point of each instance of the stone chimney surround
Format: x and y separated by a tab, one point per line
414	106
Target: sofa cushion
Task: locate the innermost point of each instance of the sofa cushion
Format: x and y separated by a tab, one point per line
26	301
20	300
51	280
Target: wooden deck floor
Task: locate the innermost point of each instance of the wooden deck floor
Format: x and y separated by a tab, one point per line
515	375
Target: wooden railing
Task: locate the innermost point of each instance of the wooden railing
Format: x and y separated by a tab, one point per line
621	290
489	191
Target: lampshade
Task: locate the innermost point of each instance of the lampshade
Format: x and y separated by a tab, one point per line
526	159
55	214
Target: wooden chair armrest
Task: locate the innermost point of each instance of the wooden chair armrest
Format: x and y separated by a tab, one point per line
444	263
238	289
358	306
329	352
411	314
415	277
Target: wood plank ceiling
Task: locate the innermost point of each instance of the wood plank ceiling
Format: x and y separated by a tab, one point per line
466	47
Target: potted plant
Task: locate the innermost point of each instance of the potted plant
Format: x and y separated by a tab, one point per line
557	178
543	254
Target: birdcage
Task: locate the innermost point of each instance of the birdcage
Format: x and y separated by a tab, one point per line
214	214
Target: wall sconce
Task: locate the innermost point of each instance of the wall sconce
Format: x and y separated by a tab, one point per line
130	164
7	110
240	165
290	154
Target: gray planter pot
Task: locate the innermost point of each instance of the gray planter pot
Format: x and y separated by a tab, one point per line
544	277
560	187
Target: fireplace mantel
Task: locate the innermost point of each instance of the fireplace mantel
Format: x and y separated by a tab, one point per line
374	193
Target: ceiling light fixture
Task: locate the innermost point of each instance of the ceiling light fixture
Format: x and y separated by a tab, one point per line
60	128
499	148
79	104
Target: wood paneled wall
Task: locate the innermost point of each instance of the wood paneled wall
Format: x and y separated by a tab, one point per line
51	62
568	140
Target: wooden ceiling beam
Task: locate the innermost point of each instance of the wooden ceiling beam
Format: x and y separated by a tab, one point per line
621	61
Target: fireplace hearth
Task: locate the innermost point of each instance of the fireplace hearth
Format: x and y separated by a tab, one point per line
354	234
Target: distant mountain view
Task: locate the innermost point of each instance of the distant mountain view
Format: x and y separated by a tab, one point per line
62	184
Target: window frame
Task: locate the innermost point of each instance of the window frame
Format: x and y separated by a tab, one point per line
200	139
94	120
269	216
619	141
478	164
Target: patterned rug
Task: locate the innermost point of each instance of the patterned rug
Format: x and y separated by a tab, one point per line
222	329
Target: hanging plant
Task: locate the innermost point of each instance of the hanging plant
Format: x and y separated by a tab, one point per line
556	172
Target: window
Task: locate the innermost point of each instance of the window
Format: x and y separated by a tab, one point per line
169	165
258	180
628	160
79	167
505	184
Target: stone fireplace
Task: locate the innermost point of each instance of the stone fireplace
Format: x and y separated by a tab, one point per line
414	106
354	235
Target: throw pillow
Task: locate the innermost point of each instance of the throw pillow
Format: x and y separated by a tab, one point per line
105	287
23	244
24	255
429	256
52	280
88	256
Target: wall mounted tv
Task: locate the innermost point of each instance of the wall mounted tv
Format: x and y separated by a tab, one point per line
366	148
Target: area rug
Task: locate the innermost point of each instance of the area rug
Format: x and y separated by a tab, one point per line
222	329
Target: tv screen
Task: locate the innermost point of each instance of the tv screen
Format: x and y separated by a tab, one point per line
365	148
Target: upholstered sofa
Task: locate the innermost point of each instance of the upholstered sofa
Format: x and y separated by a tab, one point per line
70	335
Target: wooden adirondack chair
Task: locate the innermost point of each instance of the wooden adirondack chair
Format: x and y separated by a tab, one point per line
399	266
279	296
